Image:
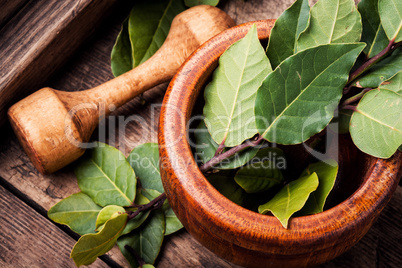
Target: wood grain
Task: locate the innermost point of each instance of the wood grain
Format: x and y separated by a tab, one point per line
38	40
29	240
9	8
90	67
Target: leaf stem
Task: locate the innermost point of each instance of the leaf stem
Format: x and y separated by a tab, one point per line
370	62
154	204
137	257
350	107
220	148
220	157
354	98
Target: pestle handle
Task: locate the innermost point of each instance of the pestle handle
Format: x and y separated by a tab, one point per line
188	31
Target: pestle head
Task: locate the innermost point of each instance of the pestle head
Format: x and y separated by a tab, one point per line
46	131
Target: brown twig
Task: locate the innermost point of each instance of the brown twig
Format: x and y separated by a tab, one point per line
370	62
154	204
218	158
354	98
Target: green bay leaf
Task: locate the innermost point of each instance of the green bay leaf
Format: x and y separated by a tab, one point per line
148	26
223	182
286	31
192	3
136	222
290	199
394	83
326	172
78	212
143	33
146	241
258	177
273	154
91	246
107	177
145	161
376	126
173	223
206	148
298	99
121	60
391	18
331	21
107	213
230	97
373	33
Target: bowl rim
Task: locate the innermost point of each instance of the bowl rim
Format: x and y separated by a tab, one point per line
180	173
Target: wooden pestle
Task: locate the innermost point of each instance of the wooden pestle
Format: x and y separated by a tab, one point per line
52	126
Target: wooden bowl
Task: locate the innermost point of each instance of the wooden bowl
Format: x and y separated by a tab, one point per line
240	235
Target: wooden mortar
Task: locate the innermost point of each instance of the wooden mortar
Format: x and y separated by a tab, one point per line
240	235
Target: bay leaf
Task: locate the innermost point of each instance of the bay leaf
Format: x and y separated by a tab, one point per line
146	241
258	177
143	33
91	246
192	3
106	213
173	223
286	31
145	161
230	96
376	125
382	71
137	221
298	99
107	177
223	182
78	212
273	154
121	60
331	21
148	26
394	83
290	199
391	18
326	172
373	33
206	147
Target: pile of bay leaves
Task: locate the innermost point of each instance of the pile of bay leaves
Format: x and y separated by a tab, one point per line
334	58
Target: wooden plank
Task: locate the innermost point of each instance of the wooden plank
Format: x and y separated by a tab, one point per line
91	67
381	246
29	240
9	8
36	41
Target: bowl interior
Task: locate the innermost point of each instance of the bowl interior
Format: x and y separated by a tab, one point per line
353	164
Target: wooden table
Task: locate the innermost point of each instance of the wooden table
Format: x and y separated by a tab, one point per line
29	239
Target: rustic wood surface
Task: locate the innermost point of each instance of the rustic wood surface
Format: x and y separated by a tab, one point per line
29	193
38	39
9	8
